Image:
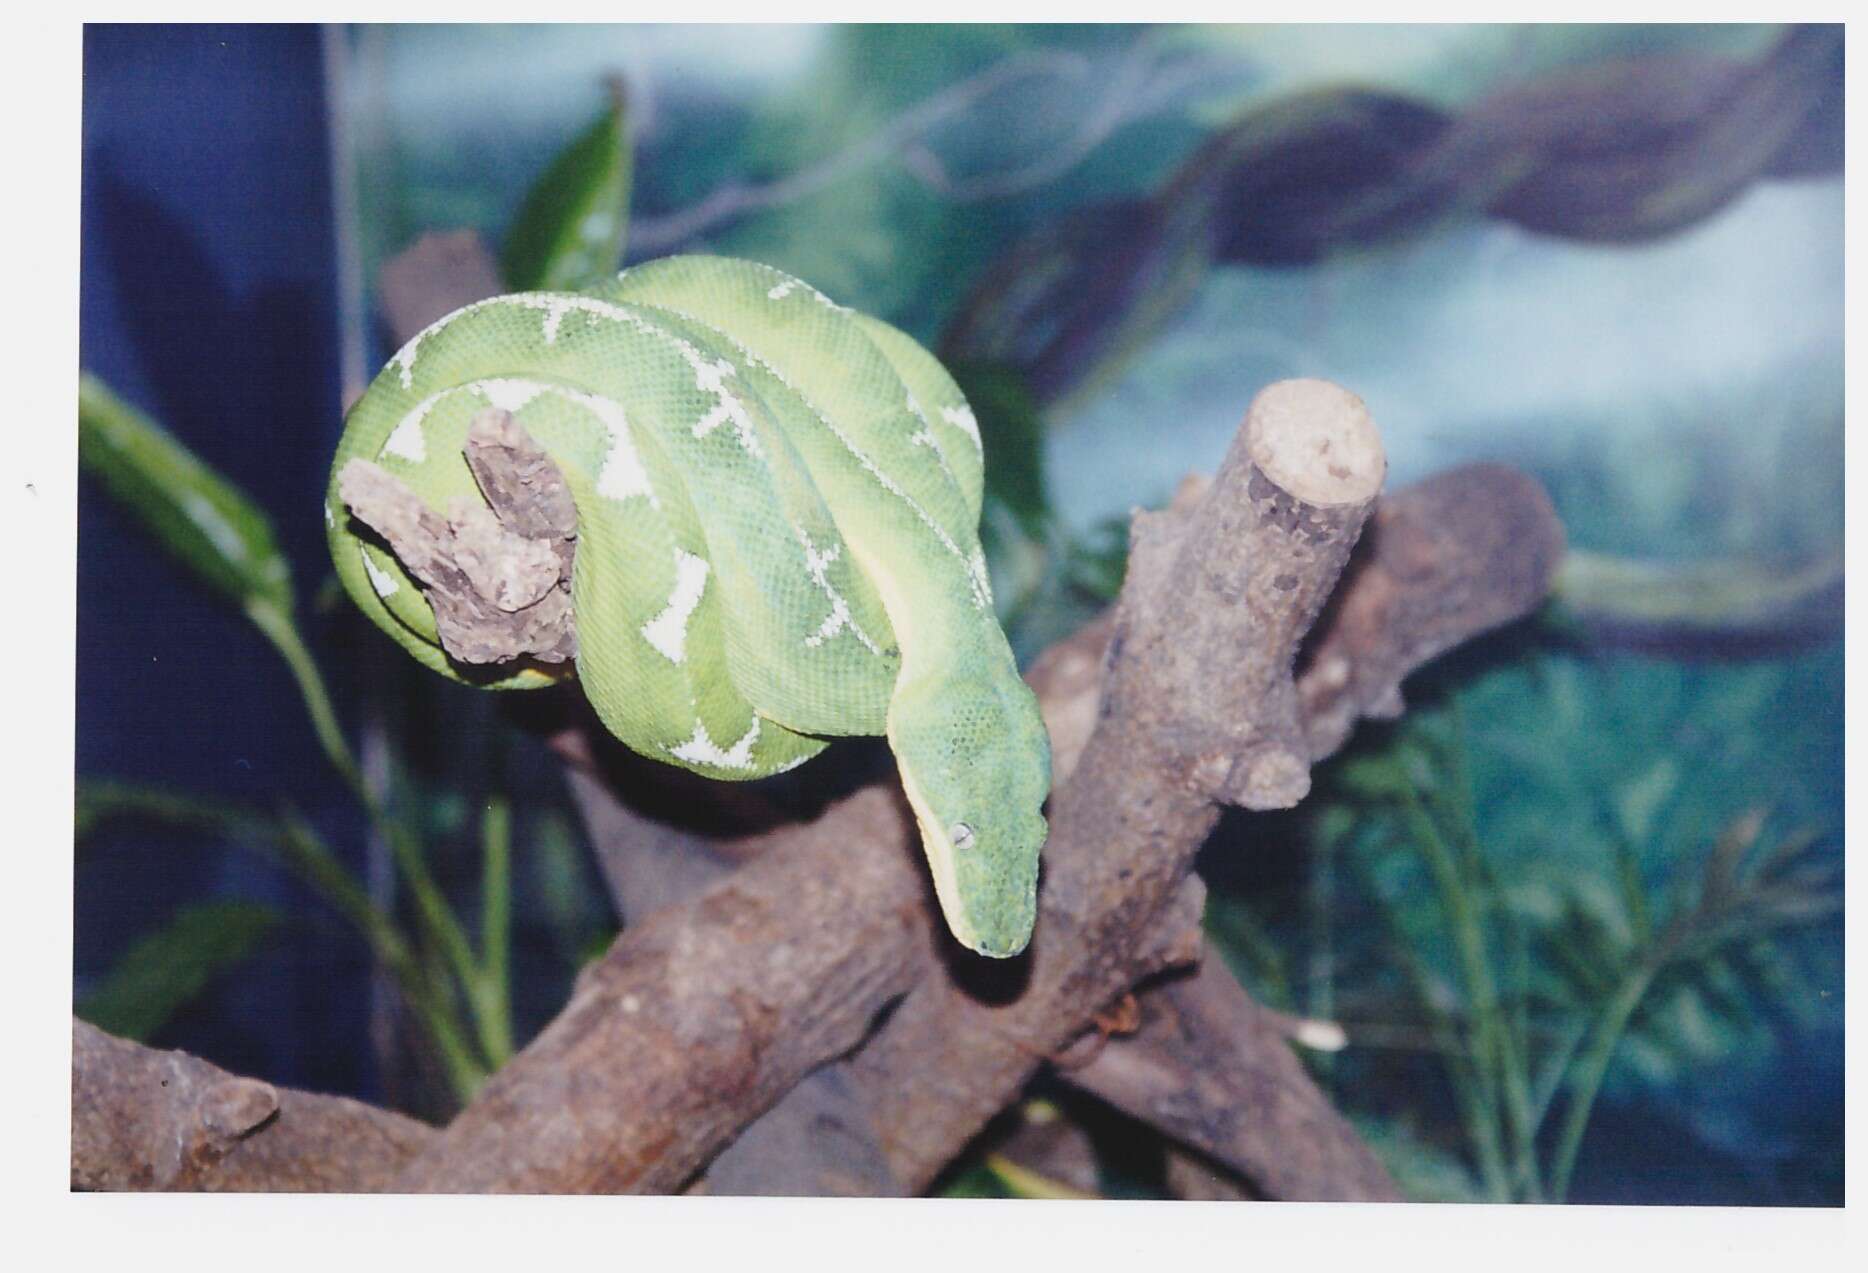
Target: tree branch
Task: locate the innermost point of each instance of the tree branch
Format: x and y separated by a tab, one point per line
826	925
149	1120
1232	584
1211	1068
709	1011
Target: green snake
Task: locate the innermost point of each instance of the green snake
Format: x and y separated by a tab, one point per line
778	504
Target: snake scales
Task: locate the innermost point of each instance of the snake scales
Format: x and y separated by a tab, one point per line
778	504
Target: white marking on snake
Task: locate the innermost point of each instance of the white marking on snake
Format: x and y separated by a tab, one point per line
668	630
710	377
961	418
622	475
214	524
702	750
508	394
554	316
407	440
818	564
556	306
786	285
976	577
404	361
925	436
709	374
330	518
385	584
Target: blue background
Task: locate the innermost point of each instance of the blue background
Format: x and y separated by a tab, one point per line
207	300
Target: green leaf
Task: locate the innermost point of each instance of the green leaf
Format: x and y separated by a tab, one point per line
211	527
1011	433
1098	562
1639	800
168	968
1015	517
978	1180
569	230
194	512
98	801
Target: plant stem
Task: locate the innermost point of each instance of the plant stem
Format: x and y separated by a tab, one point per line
1320	981
431	906
437	918
280	630
1496	1057
493	987
307	854
1478	1102
294	844
1586	1081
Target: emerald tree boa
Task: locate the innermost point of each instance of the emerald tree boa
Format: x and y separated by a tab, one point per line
778	504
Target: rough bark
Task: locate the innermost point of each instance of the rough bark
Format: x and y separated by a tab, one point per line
143	1119
705	1014
579	1105
497	575
1212	1069
700	1017
1233	585
1461	552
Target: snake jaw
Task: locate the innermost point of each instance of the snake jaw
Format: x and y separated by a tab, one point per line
983	862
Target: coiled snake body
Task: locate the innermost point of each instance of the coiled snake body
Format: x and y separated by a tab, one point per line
777	506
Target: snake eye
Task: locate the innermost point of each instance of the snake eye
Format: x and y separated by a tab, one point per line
962	836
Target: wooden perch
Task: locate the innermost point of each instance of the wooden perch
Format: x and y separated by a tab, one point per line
148	1120
1232	584
1211	1069
1496	542
497	575
781	966
733	1028
700	1017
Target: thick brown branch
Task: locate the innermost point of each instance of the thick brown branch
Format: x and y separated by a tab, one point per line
1233	586
144	1119
1212	1069
700	1017
1467	550
1067	681
497	575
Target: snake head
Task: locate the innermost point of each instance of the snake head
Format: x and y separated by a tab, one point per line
976	766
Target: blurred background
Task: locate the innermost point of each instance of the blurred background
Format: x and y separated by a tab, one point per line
1578	913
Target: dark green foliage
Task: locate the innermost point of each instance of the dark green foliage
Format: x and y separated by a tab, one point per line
166	969
194	512
458	994
1570	887
569	231
1507	936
